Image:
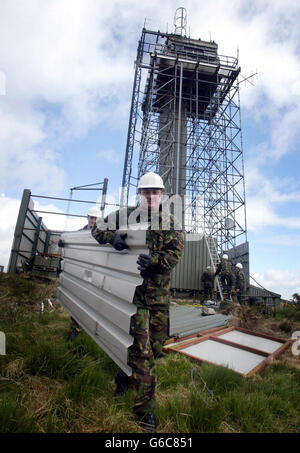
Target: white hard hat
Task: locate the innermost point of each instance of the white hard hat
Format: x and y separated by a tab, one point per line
151	180
239	265
225	257
94	212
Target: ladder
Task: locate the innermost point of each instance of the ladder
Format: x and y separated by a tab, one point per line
214	259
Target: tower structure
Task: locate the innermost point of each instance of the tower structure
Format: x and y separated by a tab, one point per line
185	125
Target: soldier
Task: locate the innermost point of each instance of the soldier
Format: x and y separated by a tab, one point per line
240	283
92	215
150	325
225	270
208	279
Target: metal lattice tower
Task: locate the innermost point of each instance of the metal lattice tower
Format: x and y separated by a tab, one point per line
185	125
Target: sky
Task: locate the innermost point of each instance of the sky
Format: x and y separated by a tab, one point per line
66	75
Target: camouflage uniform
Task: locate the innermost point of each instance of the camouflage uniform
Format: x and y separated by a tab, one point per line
208	279
225	270
240	286
150	325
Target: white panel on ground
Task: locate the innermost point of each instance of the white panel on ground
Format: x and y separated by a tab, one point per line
188	320
97	287
222	354
252	341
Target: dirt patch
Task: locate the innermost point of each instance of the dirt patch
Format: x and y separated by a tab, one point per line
286	326
290	359
245	317
248	318
21	296
43	391
227	308
15	369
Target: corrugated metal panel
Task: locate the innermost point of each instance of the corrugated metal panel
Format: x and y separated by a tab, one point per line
260	292
263	296
188	272
97	288
24	235
187	320
240	254
31	221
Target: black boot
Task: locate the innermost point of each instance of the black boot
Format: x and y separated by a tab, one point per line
73	334
122	383
75	330
147	422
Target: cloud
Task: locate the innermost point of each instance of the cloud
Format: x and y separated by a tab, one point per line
59	222
9	210
72	68
2	84
68	66
265	196
286	240
65	73
261	213
284	282
110	155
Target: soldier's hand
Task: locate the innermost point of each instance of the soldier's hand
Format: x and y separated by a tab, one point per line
144	262
118	241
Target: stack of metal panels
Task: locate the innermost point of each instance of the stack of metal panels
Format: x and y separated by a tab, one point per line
185	320
97	287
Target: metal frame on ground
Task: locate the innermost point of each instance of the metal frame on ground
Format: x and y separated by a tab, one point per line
215	336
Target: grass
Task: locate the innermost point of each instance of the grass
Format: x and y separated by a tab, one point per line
288	313
48	385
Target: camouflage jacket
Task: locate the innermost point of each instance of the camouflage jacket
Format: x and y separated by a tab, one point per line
240	280
224	267
208	276
166	249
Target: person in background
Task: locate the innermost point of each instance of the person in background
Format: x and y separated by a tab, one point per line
225	270
92	215
208	279
240	283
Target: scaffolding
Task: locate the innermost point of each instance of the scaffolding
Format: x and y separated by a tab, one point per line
185	124
35	247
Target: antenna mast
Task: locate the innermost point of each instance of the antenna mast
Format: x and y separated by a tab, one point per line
180	21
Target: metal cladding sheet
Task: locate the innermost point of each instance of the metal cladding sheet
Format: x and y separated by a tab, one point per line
186	320
97	286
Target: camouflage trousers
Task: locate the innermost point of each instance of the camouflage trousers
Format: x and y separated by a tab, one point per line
150	329
241	297
226	282
208	291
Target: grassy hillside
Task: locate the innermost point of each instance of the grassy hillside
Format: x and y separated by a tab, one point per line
49	385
